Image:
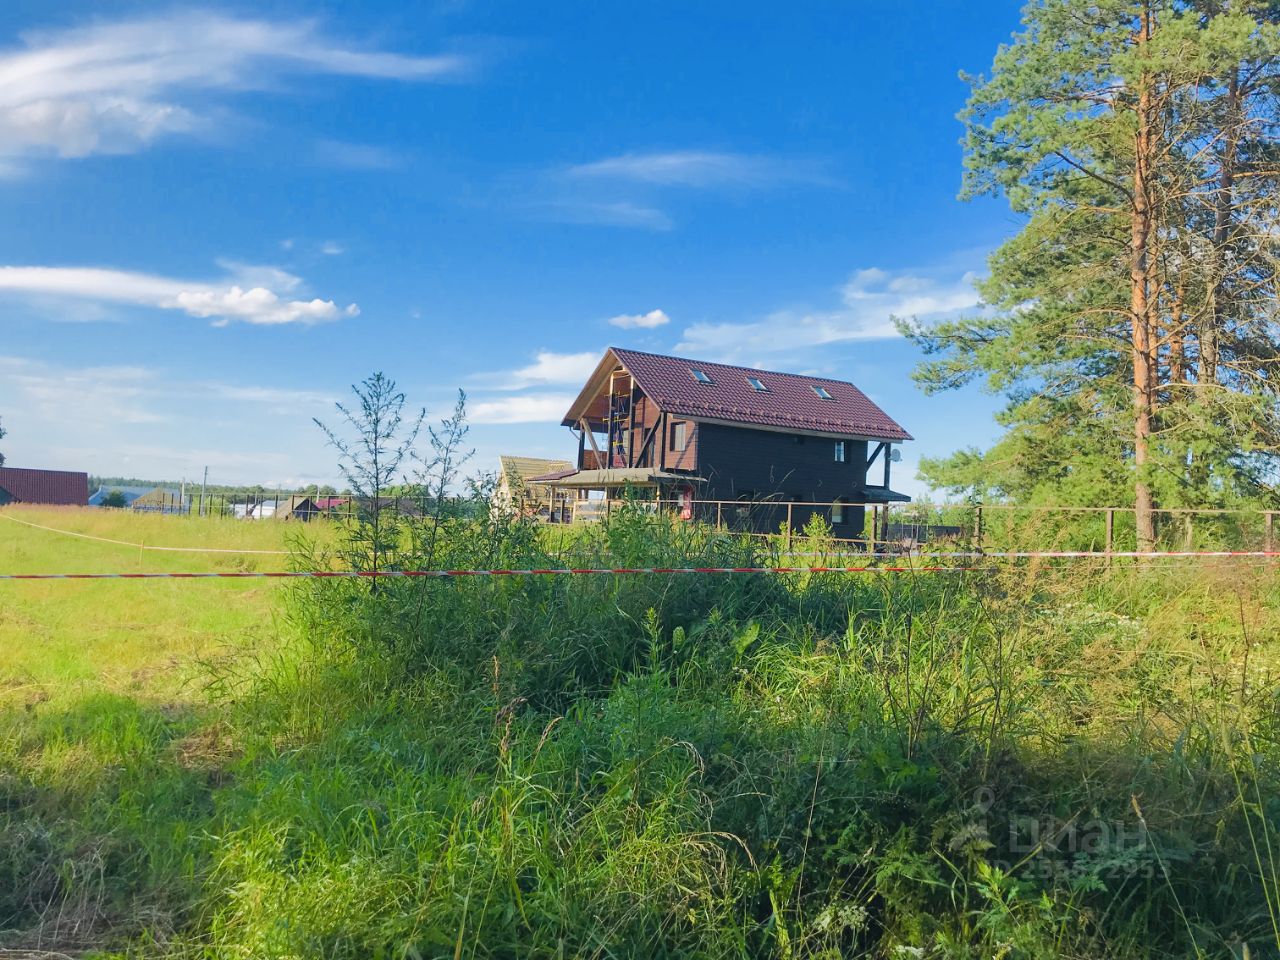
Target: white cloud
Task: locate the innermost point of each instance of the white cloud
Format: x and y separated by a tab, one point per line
358	156
700	168
628	321
96	396
331	248
154	423
528	408
549	367
607	213
251	294
118	87
871	298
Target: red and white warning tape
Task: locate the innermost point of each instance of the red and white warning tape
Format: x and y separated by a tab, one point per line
548	572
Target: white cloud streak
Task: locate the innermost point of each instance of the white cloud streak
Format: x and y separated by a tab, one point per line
871	298
254	295
118	87
548	368
700	168
619	213
528	408
630	321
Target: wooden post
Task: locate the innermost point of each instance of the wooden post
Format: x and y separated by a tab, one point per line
1190	518
1111	529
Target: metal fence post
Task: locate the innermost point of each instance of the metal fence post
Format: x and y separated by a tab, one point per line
977	526
788	538
1269	541
719	515
1111	530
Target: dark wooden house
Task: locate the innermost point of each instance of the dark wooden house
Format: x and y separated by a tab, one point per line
695	432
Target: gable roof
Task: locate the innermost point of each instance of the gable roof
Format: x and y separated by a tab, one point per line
789	401
527	468
130	493
59	487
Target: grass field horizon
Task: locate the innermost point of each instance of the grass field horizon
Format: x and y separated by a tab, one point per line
1037	760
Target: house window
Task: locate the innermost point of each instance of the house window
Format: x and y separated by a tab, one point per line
699	375
822	393
757	385
839	451
837	512
679	435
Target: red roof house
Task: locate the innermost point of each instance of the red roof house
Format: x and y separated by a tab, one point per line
58	487
718	432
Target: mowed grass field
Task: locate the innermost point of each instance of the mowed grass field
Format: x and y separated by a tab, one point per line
143	638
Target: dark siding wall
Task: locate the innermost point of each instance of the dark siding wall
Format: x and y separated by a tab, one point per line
736	461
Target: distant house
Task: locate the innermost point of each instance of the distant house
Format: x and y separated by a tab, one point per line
127	493
54	487
298	507
518	490
688	430
257	509
161	500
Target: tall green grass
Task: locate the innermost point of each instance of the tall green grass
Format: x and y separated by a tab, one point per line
1044	761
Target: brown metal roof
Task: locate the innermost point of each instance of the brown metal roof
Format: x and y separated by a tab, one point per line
58	487
789	400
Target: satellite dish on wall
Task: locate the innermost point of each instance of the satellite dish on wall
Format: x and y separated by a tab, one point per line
896	456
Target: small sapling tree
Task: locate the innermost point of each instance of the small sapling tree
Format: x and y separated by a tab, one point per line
371	461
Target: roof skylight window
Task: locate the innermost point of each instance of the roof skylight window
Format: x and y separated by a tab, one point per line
822	393
699	375
757	385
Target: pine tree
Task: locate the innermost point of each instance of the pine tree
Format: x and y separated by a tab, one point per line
1131	320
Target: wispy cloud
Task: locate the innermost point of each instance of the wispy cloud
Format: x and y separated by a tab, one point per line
630	321
547	368
249	294
619	213
528	408
701	168
358	156
331	248
870	299
118	87
98	395
137	420
537	404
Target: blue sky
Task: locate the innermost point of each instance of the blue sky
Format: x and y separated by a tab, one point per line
214	219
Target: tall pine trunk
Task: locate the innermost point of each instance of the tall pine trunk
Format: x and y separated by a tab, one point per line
1144	373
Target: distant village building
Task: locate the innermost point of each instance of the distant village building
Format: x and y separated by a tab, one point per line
518	490
692	431
298	507
125	495
53	487
161	500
